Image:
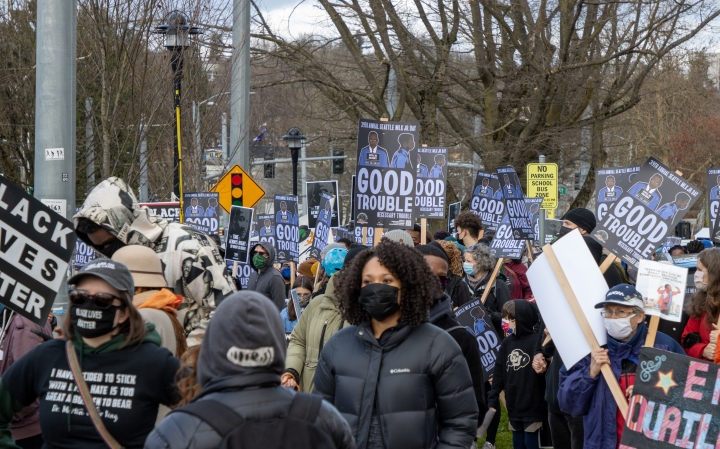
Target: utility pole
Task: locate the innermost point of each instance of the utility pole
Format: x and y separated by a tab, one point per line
89	146
224	138
240	86
543	214
143	163
54	170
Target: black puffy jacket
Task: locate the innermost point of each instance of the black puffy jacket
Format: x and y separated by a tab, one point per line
416	379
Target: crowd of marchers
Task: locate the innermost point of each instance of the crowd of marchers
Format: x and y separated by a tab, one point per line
159	349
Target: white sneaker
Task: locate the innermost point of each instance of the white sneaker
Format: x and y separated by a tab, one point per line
488	445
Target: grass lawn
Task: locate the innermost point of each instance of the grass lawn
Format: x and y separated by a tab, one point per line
504	435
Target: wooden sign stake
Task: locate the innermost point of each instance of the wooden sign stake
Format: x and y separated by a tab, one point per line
491	281
292	274
423	231
364	236
585	326
652	331
378	236
235	267
606	264
529	248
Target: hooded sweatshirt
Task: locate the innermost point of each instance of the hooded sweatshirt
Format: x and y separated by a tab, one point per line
129	382
268	280
191	262
241	359
524	388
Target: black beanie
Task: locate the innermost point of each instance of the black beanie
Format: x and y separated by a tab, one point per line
583	218
432	250
354	250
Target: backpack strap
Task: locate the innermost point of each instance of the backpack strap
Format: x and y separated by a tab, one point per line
215	414
305	407
454	328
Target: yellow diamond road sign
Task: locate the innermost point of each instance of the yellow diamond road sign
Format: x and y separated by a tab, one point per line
542	182
251	190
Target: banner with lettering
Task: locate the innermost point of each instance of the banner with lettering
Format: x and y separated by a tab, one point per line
515	203
487	200
287	231
431	176
713	200
476	320
610	183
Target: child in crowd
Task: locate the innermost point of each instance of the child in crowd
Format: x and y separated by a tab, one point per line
524	388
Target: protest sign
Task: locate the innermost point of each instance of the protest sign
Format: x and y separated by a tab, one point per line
674	403
453	212
243	272
83	254
287	235
254	234
201	211
322	226
314	191
552	228
267	230
340	233
237	242
476	320
487	200
663	289
168	210
369	236
36	245
610	183
515	203
431	176
504	244
713	199
286	212
670	242
385	185
637	223
533	208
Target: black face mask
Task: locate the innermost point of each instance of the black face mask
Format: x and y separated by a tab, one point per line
379	300
91	321
564	231
109	249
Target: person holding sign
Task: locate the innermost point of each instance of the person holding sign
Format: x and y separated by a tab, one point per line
701	331
398	380
579	218
584	392
265	278
116	357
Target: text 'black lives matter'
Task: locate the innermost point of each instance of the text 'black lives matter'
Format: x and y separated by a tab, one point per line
638	223
36	245
487	200
385	174
287	232
515	204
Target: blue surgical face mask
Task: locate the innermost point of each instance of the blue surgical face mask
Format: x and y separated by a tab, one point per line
469	268
285	272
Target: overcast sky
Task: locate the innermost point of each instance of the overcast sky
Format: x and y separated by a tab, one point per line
292	18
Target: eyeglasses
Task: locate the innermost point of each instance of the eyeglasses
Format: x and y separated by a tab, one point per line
264	254
616	313
102	300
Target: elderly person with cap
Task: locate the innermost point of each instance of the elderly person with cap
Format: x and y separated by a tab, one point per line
584	392
113	350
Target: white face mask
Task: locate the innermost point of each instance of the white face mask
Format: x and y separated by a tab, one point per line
698	278
619	328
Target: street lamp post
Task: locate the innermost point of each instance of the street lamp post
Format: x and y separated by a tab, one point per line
295	139
177	33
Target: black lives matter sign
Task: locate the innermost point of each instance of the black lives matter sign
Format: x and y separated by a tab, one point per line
637	223
430	180
385	174
169	210
713	202
610	183
487	200
515	204
237	241
287	234
674	403
36	245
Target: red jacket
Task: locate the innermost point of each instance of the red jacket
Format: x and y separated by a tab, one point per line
700	326
521	285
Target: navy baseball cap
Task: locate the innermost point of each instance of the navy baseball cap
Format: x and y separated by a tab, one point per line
624	295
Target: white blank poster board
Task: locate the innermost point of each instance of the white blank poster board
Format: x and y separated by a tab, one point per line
589	286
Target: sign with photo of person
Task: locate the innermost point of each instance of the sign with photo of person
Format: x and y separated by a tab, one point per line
453	211
638	223
610	183
385	174
674	403
533	207
267	229
36	246
713	202
476	319
487	200
340	233
369	237
515	203
201	211
314	191
287	235
504	244
322	226
237	241
663	289
431	176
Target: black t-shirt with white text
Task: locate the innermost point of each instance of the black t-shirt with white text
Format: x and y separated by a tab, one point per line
127	385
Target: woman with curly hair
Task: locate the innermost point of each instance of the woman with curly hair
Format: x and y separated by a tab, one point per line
455	288
397	380
701	331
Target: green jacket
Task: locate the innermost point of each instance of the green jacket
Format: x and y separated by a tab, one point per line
322	314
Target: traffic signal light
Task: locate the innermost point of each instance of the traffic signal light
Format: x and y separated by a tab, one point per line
577	180
338	164
236	192
269	168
